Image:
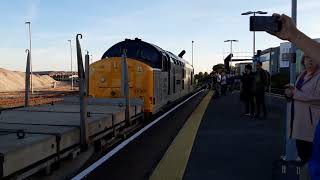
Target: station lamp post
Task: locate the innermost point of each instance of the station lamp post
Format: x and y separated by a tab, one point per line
291	151
231	41
71	63
29	25
254	33
192	52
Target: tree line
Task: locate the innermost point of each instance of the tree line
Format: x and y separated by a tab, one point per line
204	76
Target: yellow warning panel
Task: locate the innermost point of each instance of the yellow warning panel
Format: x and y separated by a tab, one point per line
174	162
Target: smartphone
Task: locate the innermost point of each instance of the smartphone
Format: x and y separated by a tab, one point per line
265	23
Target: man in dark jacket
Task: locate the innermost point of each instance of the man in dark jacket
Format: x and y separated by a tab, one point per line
247	95
260	83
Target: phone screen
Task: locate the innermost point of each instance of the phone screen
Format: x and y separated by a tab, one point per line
265	23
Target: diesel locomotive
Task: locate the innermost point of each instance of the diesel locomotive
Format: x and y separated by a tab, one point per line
156	76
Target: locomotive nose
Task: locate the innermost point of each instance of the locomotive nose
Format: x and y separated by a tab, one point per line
105	78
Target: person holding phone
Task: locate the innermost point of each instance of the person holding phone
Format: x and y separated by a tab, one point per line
311	49
305	96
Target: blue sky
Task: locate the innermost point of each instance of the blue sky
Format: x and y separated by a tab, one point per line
170	24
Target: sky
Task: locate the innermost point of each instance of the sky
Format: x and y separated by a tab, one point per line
170	24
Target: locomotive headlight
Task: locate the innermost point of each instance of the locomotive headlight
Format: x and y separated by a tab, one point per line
102	79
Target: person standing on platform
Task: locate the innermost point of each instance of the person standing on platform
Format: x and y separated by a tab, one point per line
246	90
218	84
214	80
223	83
311	49
305	96
260	84
231	81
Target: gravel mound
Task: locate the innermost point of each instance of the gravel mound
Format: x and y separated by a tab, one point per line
15	81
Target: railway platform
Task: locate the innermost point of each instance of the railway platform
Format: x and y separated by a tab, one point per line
227	145
205	138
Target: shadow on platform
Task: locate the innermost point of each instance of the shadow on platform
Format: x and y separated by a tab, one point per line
229	146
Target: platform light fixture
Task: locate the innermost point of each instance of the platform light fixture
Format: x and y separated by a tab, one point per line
254	33
71	63
29	27
231	41
192	52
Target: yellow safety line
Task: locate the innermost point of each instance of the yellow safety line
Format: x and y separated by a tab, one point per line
174	162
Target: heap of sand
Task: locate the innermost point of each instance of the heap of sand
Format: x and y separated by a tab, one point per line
15	81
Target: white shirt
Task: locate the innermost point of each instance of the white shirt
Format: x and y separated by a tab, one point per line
218	78
223	80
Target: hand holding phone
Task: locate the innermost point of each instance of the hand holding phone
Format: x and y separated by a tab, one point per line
288	28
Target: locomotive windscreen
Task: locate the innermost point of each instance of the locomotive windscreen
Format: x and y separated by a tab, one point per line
137	49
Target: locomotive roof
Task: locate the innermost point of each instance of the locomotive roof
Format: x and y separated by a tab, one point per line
146	52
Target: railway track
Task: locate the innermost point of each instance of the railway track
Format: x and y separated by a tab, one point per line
9	100
133	135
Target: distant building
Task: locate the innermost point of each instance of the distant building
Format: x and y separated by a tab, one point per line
285	56
277	59
59	75
270	60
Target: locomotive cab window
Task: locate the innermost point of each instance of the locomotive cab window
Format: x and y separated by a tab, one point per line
165	63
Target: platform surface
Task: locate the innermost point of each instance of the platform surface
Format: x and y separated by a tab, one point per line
231	146
206	138
228	145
